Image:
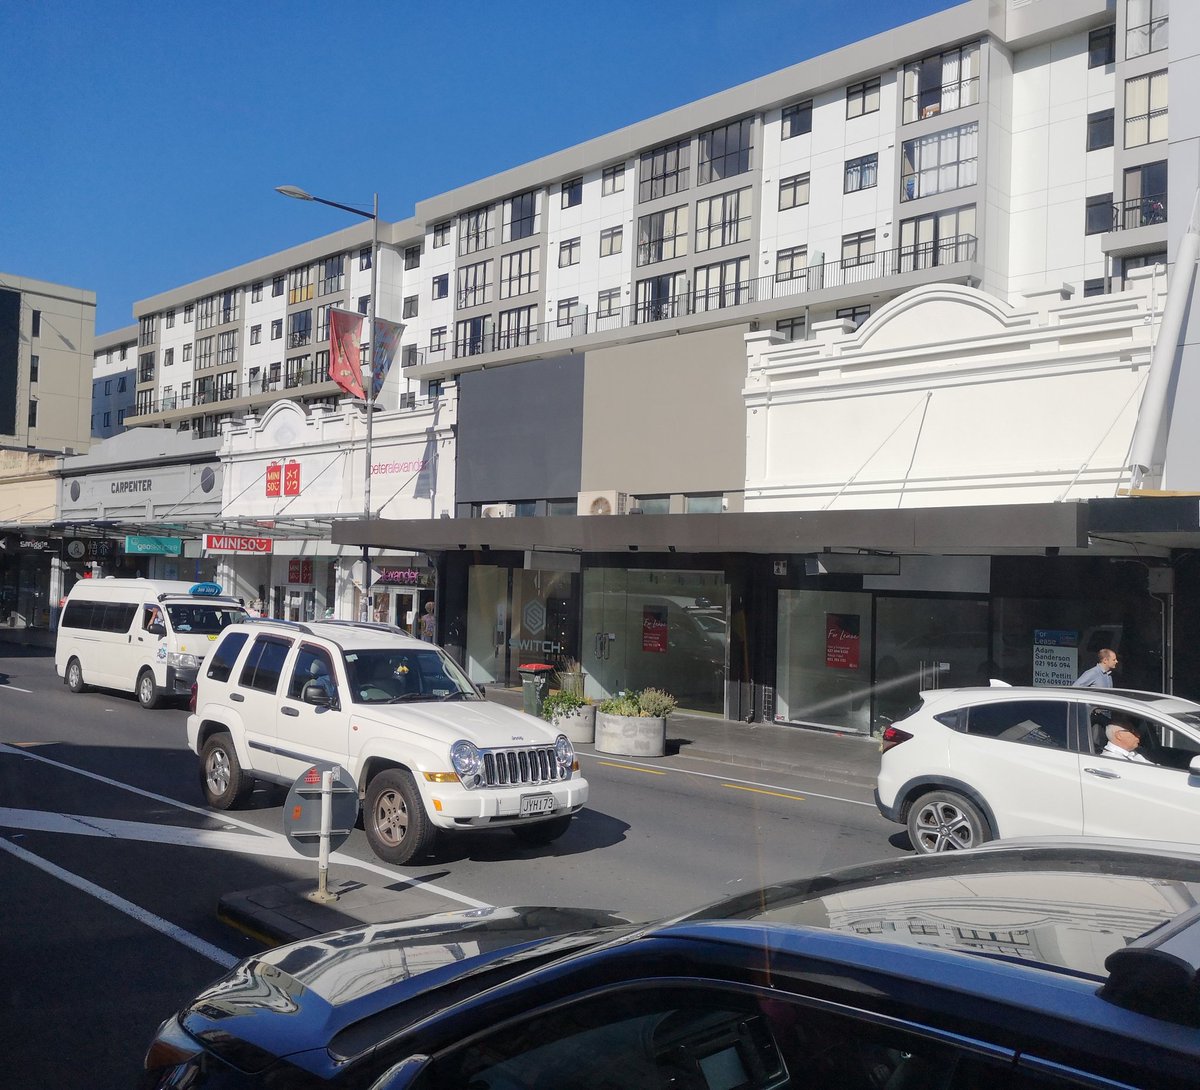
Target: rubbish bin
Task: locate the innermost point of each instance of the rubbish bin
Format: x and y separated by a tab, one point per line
535	684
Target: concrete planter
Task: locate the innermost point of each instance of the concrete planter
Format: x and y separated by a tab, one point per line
631	735
578	725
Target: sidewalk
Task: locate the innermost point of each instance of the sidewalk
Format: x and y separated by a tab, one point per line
283	913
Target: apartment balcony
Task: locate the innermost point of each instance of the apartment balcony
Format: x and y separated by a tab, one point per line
307	383
830	283
1139	224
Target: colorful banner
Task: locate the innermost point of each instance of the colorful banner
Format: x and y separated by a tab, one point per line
345	364
654	629
842	641
383	351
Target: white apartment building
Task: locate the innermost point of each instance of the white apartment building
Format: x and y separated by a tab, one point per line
114	377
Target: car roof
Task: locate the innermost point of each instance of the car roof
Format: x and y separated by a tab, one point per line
1133	699
345	634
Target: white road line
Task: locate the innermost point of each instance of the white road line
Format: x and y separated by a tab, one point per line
186	938
730	779
15	688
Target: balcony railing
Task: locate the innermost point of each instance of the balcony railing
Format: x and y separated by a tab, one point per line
775	287
1140	212
231	391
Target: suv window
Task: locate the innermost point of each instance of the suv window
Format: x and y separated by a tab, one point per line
220	663
1034	722
264	664
312	664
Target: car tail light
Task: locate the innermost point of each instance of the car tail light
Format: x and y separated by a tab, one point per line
891	738
192	699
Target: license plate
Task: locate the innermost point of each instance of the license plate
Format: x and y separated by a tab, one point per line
537	804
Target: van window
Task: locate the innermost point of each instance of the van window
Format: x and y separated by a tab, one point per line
220	662
264	664
98	616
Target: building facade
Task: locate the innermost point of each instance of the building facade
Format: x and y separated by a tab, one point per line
114	378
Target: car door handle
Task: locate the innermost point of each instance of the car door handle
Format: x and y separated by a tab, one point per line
290	711
236	696
1104	774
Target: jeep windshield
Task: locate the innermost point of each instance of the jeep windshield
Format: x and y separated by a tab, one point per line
392	676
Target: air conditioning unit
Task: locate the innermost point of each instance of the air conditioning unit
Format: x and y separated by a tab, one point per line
606	502
498	510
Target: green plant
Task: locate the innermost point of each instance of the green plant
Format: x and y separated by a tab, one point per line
620	705
656	703
561	703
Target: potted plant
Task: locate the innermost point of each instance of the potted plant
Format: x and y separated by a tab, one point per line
570	677
634	724
572	714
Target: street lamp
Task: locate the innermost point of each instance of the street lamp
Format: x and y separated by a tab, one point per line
303	195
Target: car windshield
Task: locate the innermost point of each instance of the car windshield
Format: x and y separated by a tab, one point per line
392	676
204	618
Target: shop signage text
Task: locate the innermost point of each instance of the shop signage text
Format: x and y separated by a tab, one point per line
143	484
842	641
140	545
399	576
300	571
283	479
235	543
1055	656
80	548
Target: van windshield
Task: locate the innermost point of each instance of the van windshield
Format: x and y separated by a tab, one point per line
205	618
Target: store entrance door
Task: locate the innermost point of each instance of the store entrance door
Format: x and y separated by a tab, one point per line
394	605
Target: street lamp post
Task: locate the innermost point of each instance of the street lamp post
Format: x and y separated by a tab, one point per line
301	195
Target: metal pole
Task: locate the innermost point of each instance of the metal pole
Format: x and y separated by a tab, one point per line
370	391
326	827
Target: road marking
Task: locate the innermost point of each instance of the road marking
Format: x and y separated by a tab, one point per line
15	688
633	768
763	791
170	930
768	787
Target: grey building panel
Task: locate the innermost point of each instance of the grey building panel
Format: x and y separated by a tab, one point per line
10	343
519	431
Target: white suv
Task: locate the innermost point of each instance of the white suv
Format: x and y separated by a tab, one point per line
969	765
427	752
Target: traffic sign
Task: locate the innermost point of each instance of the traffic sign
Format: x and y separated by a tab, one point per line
302	810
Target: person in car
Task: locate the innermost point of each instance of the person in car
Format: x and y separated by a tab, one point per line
1123	741
1100	675
318	674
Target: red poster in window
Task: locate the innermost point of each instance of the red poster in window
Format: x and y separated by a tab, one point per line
841	641
274	479
654	629
291	479
300	571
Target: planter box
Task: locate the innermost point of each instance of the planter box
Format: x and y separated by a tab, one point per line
571	682
631	735
578	725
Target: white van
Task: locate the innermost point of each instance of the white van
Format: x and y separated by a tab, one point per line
144	636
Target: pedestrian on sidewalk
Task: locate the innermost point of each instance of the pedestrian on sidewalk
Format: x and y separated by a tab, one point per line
1100	675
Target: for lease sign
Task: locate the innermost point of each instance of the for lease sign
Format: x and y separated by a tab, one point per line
235	543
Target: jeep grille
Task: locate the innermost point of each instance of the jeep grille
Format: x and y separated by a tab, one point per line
504	767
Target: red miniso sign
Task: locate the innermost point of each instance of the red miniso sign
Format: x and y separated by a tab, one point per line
235	543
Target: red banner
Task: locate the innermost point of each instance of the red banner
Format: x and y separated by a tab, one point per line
274	479
236	543
345	365
291	479
300	571
841	641
654	629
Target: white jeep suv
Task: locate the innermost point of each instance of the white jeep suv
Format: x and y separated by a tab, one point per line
427	752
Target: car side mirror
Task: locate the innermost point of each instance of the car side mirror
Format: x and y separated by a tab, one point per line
156	628
316	693
1194	766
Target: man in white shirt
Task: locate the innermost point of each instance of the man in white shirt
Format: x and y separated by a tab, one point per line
1123	741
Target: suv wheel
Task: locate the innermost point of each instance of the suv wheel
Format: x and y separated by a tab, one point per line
944	821
224	783
75	677
394	818
147	691
542	832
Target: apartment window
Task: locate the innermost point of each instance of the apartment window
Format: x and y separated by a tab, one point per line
124	351
120	417
471	335
186	355
204	352
861	173
792	328
611	240
145	367
299	328
410	307
516	327
300	289
856	314
168	357
475	284
568	252
568	311
33	414
256	292
147	328
1098	214
298	371
725	151
793	192
144	403
791	263
520	217
858	249
412	257
108	387
1145	109
612	180
35	323
725	284
862	98
364	304
939	238
662	235
185	392
475	230
323	320
441	286
441	234
277	283
1094	286
206	313
34	365
520	273
664	170
333	274
229	306
797	119
941	82
1100	130
939	162
170	318
660	297
572	193
255	334
1145	27
723	220
1145	196
1102	46
276	329
608	303
703	505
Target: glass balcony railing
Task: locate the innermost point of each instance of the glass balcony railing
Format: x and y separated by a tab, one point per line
1140	212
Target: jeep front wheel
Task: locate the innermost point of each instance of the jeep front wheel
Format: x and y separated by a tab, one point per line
222	780
394	818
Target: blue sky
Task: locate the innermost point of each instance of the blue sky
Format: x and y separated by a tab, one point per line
142	140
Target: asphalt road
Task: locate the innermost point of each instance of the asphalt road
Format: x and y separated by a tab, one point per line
111	867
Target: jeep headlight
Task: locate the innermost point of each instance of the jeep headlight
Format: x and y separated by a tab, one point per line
564	753
467	762
183	662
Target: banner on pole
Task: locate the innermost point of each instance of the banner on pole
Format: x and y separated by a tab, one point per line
345	365
383	352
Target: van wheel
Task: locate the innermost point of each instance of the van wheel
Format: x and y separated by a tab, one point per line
75	677
944	821
148	693
542	832
394	818
222	780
